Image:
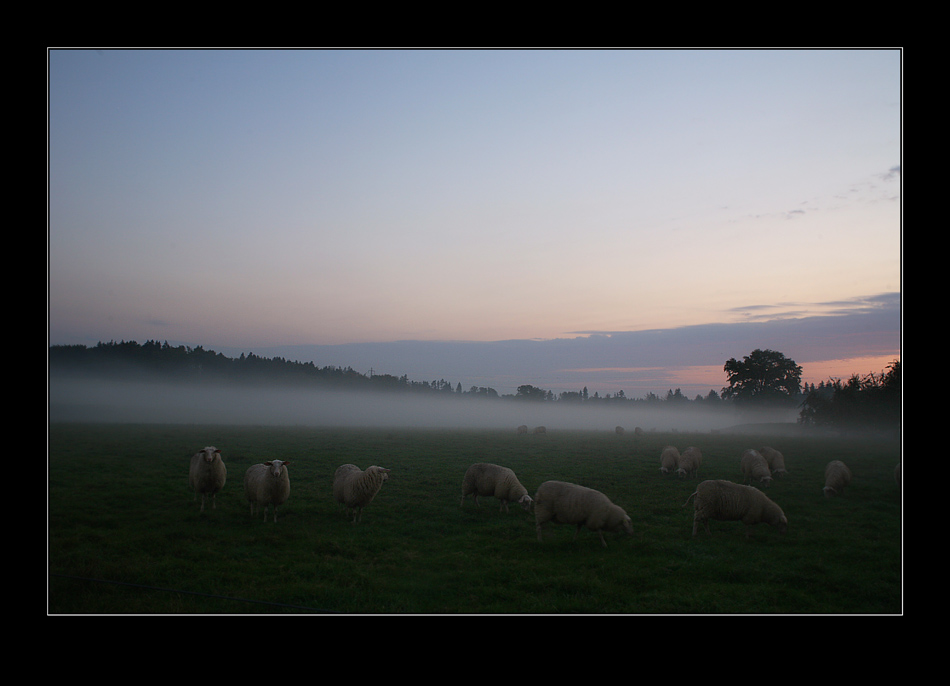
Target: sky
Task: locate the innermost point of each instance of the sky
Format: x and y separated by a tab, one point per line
616	219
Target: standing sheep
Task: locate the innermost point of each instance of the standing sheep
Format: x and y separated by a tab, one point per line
523	429
837	476
727	501
755	468
619	430
207	474
775	460
356	489
267	484
669	459
689	462
486	479
540	430
566	503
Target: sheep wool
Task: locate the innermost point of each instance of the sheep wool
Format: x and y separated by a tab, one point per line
837	476
540	430
523	429
355	489
775	460
267	484
567	503
755	468
689	462
207	474
486	480
669	459
727	501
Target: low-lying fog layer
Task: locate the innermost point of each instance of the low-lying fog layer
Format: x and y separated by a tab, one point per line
80	400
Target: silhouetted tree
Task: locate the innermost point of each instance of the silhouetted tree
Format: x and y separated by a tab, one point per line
764	376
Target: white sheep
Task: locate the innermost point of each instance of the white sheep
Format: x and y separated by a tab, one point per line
486	480
837	476
727	501
356	489
207	474
523	429
669	459
267	484
689	462
755	468
540	430
567	503
619	430
775	460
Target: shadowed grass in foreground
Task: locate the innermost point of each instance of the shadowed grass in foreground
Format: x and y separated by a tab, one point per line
126	536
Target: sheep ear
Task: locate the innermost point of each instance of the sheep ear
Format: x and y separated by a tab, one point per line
218	451
268	463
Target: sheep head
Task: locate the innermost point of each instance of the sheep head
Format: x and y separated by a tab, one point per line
275	466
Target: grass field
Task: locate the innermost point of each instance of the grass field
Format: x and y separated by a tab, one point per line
126	536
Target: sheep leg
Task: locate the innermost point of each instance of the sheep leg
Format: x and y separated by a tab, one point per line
602	538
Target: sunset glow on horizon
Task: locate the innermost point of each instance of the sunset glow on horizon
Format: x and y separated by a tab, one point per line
340	200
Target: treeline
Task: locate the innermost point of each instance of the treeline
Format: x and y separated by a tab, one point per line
871	400
183	363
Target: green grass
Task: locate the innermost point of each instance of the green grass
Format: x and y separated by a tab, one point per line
126	536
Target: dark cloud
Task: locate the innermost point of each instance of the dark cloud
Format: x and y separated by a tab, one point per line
838	330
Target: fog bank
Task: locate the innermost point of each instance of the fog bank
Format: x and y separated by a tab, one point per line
84	400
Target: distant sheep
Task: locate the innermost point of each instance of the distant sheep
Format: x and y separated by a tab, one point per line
689	462
567	503
837	476
356	489
775	460
523	429
727	501
669	459
267	484
207	474
486	480
638	431
619	430
755	468
540	430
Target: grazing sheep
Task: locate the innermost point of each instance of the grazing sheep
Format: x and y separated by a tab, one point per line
540	430
267	484
566	503
523	429
637	431
619	430
356	489
669	459
775	460
207	474
727	501
837	476
689	462
486	479
755	468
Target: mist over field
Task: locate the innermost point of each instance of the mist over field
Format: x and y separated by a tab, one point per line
74	399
